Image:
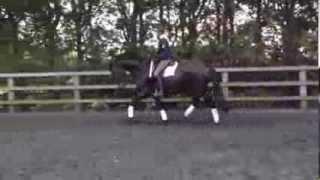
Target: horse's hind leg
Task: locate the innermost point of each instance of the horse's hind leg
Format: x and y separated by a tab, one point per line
195	103
213	104
215	115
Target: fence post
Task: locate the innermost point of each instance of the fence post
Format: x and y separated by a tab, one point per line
303	89
225	79
76	93
11	94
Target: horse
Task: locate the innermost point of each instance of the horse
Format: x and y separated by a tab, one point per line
182	77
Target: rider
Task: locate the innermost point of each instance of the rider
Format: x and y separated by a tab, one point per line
165	56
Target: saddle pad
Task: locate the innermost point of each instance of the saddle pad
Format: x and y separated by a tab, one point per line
170	70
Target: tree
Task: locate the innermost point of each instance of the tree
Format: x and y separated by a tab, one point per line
296	18
133	24
64	34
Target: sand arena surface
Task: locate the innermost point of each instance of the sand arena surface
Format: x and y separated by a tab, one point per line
104	146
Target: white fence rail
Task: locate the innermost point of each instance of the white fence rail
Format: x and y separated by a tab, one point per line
10	89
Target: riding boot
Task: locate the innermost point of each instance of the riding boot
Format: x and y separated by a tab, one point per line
160	84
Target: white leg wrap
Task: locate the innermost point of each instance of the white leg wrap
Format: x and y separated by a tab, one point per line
163	115
215	115
189	110
130	111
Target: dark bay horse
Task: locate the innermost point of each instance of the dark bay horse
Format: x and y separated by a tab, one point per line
187	78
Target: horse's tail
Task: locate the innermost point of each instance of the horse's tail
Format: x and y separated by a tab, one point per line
215	79
214	76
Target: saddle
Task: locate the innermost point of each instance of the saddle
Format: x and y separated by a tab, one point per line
170	70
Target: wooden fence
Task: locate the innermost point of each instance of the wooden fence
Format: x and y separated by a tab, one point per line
76	87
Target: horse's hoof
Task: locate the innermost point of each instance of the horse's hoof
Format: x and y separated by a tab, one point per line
131	120
166	122
216	122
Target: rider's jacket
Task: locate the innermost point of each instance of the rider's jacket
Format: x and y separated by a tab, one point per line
165	54
164	51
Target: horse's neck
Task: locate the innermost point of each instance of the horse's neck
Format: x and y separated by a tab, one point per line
193	66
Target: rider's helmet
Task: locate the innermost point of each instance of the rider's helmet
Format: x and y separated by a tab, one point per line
163	38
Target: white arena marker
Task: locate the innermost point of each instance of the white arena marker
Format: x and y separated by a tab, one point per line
130	111
189	110
163	115
215	115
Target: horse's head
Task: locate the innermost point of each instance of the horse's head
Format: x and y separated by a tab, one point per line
141	71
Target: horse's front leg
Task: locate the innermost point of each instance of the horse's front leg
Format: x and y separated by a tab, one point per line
195	103
161	108
131	107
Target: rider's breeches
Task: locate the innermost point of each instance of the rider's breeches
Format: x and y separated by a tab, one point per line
162	64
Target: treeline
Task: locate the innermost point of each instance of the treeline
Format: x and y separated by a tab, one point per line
46	35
